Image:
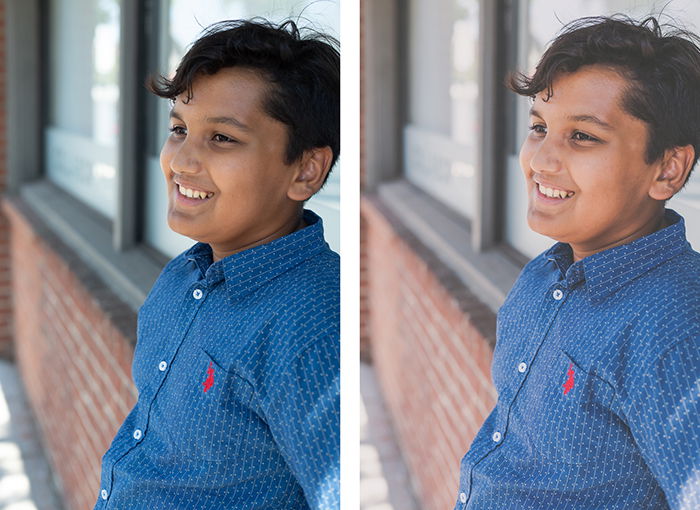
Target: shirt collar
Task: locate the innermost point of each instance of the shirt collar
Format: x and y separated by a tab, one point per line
607	271
248	270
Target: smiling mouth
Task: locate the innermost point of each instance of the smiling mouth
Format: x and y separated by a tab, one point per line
554	192
193	193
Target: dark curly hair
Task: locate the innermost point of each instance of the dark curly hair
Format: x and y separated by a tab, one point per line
302	69
660	62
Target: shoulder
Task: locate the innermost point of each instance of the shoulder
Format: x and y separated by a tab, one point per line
296	309
303	335
657	316
307	298
319	274
668	297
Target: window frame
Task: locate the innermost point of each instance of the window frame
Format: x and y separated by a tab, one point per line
473	250
112	248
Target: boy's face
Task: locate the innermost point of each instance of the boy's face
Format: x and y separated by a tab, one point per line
586	147
224	146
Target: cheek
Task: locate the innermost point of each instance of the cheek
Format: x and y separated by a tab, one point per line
525	156
165	157
235	185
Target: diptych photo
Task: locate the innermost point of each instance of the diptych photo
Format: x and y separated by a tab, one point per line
488	300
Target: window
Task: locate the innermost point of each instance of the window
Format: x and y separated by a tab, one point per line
440	137
82	132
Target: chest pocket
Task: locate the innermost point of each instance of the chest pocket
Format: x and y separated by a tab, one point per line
566	413
207	411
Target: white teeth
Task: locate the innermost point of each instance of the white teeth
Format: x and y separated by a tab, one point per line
554	193
191	193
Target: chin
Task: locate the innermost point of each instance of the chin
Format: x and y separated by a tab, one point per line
544	227
177	227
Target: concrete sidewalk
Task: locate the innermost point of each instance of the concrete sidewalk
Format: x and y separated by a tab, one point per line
384	481
26	482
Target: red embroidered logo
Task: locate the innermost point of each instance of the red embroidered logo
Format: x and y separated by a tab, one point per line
569	384
210	378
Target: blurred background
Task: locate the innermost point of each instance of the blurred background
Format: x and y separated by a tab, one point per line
443	226
83	233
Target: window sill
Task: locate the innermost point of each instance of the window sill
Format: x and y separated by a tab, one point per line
128	274
488	275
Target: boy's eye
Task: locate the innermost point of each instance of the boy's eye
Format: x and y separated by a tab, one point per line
178	130
583	137
224	139
540	129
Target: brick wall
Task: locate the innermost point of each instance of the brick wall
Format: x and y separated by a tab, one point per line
365	347
365	343
74	345
431	343
6	346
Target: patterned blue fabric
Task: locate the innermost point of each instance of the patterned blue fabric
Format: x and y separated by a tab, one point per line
597	368
237	369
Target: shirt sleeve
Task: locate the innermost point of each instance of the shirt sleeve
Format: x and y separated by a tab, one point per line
665	422
304	417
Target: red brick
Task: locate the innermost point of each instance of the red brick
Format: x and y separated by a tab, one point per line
61	335
432	363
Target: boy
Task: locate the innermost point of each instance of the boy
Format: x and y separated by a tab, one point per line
597	360
237	359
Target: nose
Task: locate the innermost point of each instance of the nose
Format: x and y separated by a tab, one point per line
544	156
185	158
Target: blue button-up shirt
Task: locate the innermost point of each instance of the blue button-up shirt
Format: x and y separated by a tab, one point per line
237	370
597	368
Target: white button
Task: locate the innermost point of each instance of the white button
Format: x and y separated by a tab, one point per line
522	367
138	434
557	294
103	494
462	497
496	437
197	294
162	366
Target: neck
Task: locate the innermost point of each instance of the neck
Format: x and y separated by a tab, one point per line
292	225
654	224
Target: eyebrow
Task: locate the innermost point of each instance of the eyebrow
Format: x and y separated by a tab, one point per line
231	121
581	118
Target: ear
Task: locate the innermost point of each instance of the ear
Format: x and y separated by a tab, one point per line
673	172
313	167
